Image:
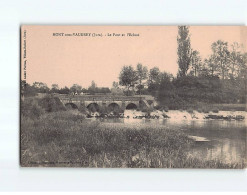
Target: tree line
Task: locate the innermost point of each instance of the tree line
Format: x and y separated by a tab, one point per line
226	61
40	87
219	78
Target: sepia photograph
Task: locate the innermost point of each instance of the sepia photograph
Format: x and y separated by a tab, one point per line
133	96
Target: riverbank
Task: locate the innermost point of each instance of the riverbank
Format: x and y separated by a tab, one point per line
66	139
174	115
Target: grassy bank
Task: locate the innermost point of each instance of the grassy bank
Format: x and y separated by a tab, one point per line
68	139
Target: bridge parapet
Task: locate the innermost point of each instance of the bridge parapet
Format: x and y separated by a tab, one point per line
100	98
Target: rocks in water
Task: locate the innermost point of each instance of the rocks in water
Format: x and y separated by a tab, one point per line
228	117
165	115
173	114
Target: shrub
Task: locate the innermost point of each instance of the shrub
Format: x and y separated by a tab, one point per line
51	104
31	109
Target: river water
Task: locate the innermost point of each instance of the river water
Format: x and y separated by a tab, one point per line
215	139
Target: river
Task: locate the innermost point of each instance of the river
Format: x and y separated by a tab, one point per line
215	139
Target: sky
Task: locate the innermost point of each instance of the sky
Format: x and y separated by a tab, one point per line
68	60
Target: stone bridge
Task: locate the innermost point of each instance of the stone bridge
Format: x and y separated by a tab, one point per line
100	101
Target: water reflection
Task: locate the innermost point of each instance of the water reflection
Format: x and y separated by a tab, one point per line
227	139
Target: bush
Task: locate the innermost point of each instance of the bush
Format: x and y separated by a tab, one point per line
51	104
31	109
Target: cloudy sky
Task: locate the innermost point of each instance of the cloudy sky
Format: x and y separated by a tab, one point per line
66	60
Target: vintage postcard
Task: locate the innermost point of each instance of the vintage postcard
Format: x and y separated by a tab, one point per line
133	96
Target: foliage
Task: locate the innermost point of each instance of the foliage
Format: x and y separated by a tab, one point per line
128	77
196	63
184	50
54	88
51	104
31	109
154	80
142	75
221	56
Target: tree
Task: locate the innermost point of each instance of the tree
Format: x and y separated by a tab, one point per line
92	89
235	60
115	85
184	50
153	75
142	74
54	88
27	90
211	65
153	80
115	90
242	71
75	88
128	77
221	56
196	62
165	86
41	87
64	90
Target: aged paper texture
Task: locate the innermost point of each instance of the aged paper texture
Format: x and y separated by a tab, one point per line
133	96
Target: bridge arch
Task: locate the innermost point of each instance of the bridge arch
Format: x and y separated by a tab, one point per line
93	107
114	107
131	106
71	106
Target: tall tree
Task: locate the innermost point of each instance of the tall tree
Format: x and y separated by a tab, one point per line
93	88
75	88
211	65
222	56
165	86
235	60
153	75
184	50
54	88
242	71
196	62
142	75
153	80
128	77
